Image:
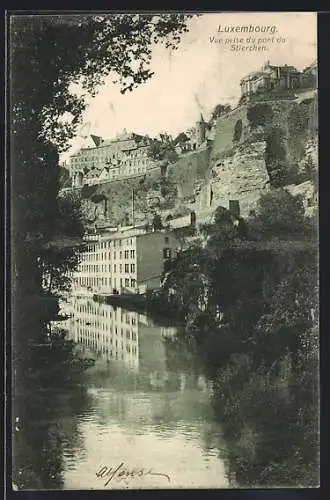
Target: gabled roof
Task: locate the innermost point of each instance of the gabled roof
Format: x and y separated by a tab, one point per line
96	139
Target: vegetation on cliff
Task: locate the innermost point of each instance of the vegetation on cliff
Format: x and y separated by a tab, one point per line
250	306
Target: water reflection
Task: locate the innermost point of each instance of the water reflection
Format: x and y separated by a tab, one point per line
148	412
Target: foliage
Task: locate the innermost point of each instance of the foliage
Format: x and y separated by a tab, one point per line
259	115
66	50
219	110
64	177
276	156
51	57
279	214
250	315
157	222
167	184
238	131
163	149
181	139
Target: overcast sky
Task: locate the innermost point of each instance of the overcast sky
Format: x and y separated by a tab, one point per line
197	76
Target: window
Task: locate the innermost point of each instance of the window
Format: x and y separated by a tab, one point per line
133	283
126	268
120	268
167	240
120	255
132	268
132	254
127	282
234	207
114	268
126	254
166	253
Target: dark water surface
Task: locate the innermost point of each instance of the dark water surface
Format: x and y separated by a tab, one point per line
135	421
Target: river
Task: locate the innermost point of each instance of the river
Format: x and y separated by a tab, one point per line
142	422
144	415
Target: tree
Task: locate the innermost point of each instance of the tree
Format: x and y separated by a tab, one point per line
219	110
65	179
47	55
260	114
163	149
182	138
280	214
222	232
276	156
157	222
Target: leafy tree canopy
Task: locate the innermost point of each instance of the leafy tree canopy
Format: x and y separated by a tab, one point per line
219	110
163	149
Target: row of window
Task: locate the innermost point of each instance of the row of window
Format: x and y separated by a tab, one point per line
94	268
128	254
106	338
136	155
96	282
110	352
107	313
116	243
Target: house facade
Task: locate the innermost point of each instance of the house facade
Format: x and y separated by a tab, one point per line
102	160
128	261
271	77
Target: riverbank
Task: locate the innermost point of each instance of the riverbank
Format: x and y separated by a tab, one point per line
152	304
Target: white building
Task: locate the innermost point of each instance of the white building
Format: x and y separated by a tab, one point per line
101	160
129	261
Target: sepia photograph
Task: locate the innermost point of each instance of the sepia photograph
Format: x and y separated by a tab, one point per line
164	229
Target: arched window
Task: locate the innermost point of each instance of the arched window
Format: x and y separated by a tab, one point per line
238	131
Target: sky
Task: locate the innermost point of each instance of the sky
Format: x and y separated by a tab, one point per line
197	76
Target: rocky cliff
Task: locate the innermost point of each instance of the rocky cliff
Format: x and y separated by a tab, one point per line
257	146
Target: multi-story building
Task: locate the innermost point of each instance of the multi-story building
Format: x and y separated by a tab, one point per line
129	261
271	77
109	159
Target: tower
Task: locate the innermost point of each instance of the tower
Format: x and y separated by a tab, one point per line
200	131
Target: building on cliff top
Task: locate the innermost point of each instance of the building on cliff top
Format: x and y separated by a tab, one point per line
271	77
101	160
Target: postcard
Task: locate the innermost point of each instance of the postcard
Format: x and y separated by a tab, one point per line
165	308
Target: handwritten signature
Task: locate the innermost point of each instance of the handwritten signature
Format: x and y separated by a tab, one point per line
122	472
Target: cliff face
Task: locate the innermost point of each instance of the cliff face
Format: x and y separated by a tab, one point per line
257	146
242	177
189	171
113	201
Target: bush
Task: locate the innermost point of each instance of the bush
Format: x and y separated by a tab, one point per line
280	214
259	115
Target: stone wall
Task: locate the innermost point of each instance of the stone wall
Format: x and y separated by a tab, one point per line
189	170
224	133
242	176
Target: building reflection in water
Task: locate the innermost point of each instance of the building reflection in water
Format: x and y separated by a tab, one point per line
127	340
150	406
